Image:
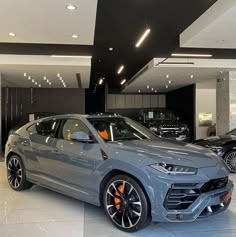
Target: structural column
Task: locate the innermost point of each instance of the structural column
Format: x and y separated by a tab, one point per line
226	103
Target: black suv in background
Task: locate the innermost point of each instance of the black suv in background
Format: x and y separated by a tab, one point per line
165	124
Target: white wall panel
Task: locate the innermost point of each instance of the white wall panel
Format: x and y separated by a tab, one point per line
162	101
120	101
129	101
154	101
146	101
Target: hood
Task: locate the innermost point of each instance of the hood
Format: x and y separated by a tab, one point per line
215	141
168	151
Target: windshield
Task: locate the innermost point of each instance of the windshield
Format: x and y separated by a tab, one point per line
159	115
119	129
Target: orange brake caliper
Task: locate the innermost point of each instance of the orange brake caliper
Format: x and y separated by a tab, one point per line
117	200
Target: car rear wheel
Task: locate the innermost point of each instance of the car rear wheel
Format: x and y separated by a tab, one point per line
125	203
230	160
16	174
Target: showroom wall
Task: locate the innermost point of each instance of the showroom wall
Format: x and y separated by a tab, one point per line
130	105
182	103
205	104
226	103
19	101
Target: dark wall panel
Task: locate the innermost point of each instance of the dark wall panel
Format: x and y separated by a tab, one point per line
19	101
182	102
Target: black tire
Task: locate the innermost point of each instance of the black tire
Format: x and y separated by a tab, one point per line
16	174
131	213
230	160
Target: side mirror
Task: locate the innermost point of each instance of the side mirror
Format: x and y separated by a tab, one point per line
81	137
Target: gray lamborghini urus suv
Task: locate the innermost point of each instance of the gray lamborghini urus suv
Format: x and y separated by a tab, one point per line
114	162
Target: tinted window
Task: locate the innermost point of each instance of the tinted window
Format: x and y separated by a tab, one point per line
70	126
45	128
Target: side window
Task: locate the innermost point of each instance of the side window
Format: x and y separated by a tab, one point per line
46	128
70	126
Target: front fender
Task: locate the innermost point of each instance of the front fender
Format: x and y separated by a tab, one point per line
139	173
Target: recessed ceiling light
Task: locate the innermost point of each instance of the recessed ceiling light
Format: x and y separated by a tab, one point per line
36	83
50	83
139	91
39	85
75	36
110	49
44	78
120	69
169	81
29	78
64	85
47	80
191	76
33	80
191	55
71	7
25	74
12	34
167	76
167	86
123	82
152	89
147	86
140	41
155	91
58	75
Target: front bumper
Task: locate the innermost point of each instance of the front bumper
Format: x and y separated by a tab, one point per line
206	204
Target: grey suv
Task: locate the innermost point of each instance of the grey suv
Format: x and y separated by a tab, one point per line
117	163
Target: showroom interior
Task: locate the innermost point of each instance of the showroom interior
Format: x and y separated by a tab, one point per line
115	58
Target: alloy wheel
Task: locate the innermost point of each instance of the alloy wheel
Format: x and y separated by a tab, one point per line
123	204
230	160
14	172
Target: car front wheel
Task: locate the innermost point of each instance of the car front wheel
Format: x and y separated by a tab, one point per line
125	203
230	160
16	174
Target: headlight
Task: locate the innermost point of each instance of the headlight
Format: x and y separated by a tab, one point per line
174	169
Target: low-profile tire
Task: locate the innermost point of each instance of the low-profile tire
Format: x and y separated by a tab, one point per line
16	174
230	160
126	204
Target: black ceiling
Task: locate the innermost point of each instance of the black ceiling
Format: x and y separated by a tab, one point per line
119	24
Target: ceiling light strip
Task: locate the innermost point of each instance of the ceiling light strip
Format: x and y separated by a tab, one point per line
120	69
143	37
123	82
191	55
70	56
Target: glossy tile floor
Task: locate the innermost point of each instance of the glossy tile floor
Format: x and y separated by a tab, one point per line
41	212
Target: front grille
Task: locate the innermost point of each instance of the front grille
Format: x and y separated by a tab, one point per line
214	184
181	196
